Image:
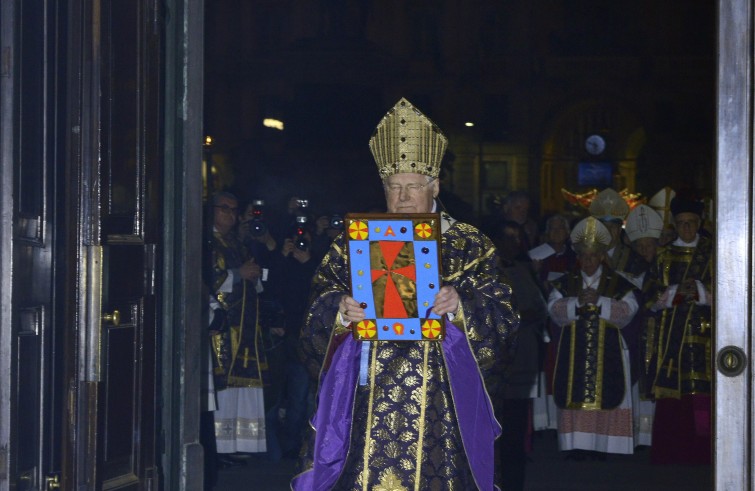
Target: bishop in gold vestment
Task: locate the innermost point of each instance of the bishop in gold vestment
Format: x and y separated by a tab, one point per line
411	415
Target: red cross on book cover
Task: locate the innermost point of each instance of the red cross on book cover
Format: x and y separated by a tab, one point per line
395	275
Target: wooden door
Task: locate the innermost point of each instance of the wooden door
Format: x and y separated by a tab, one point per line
118	210
32	389
129	208
81	237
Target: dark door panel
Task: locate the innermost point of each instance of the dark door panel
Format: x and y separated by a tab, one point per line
35	399
81	132
129	143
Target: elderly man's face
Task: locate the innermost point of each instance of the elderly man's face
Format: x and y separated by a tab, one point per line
646	247
589	260
517	210
410	193
687	225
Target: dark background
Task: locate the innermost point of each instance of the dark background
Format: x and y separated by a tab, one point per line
537	76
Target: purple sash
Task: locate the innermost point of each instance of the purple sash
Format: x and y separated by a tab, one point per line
332	420
477	423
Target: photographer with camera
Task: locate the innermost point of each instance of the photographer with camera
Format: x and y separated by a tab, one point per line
254	231
292	272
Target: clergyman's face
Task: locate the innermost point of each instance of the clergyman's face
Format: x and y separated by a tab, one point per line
517	211
687	224
589	260
226	211
646	247
409	193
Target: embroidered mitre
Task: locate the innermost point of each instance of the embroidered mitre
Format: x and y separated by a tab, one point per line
407	141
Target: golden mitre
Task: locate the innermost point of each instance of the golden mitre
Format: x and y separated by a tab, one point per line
609	205
590	234
406	140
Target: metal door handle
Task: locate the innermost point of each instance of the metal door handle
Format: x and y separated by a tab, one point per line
732	361
115	318
52	482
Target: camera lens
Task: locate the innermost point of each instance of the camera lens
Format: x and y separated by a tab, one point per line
257	227
301	243
336	221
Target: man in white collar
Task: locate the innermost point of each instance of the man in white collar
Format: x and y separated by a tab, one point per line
680	366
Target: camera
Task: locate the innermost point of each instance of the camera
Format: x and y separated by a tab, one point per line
336	222
302	203
300	240
257	226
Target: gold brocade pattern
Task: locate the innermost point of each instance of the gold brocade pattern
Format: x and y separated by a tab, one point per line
396	420
390	482
405	431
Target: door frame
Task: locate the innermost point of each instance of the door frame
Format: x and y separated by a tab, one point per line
733	437
7	44
180	329
183	331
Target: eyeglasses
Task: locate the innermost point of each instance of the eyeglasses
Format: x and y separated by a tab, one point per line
412	188
692	222
228	209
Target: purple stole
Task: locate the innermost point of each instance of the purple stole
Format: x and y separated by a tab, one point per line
332	419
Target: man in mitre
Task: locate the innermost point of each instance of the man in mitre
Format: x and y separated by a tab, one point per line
412	414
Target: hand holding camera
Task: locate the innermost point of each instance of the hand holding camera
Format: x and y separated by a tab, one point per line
301	255
288	247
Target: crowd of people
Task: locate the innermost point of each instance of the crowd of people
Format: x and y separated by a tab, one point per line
622	325
595	324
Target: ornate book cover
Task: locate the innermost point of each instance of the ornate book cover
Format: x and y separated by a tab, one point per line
395	274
